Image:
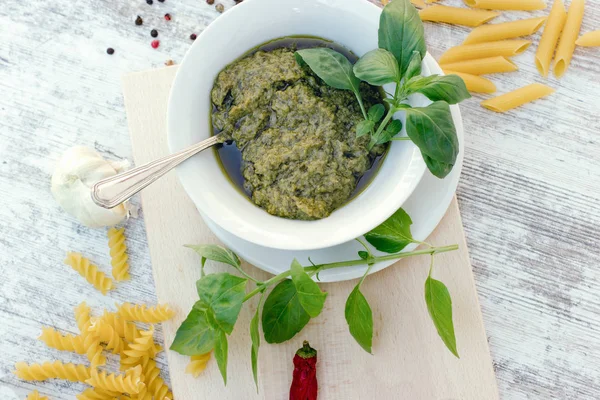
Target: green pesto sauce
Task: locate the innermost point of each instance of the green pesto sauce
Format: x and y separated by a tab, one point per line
293	147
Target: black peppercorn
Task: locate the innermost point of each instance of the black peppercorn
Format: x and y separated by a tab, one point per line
154	33
193	36
149	2
139	20
110	51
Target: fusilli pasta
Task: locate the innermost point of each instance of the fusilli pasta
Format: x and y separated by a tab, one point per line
35	395
155	384
143	313
135	352
125	329
97	394
197	364
130	382
89	271
107	334
52	370
118	254
82	316
56	340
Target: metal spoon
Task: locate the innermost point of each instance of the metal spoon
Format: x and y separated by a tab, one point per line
111	192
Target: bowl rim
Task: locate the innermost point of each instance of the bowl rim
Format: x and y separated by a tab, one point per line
259	235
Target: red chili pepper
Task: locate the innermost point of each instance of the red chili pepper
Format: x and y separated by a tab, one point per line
304	385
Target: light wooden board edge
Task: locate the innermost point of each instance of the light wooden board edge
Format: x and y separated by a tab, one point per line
409	359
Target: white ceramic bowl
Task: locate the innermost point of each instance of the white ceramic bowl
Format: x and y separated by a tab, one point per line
351	23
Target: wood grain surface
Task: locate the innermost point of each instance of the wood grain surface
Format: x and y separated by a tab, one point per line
529	193
409	357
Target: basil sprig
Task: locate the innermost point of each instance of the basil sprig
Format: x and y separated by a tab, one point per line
292	303
398	60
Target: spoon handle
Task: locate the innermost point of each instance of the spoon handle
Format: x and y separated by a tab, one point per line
112	191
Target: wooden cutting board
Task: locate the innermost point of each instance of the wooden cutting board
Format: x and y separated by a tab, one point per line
409	361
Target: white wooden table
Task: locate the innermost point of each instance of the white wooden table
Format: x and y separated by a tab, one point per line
529	192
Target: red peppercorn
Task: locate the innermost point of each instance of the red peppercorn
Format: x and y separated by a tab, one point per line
110	51
210	2
155	44
304	384
139	20
168	16
154	33
193	36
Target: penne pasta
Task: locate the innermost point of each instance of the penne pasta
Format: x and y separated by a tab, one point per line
517	98
590	39
545	51
457	16
505	48
482	66
474	83
523	5
416	3
566	45
507	30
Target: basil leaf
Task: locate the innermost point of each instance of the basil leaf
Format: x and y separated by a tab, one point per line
439	305
376	112
432	130
449	88
438	169
310	295
394	127
195	335
377	68
364	127
363	254
255	337
393	234
221	349
331	66
414	67
216	253
360	318
401	32
283	316
224	294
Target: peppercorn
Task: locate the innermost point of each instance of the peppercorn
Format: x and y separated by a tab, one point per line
149	2
220	7
110	51
168	63
154	33
210	2
139	20
304	383
238	1
155	44
168	16
193	36
161	1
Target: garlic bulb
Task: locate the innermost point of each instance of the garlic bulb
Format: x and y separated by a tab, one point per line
78	169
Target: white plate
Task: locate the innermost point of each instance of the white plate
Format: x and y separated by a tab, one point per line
426	206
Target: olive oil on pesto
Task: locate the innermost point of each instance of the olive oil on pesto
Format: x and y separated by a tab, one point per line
285	198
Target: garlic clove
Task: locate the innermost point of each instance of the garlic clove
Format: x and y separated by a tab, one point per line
76	172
